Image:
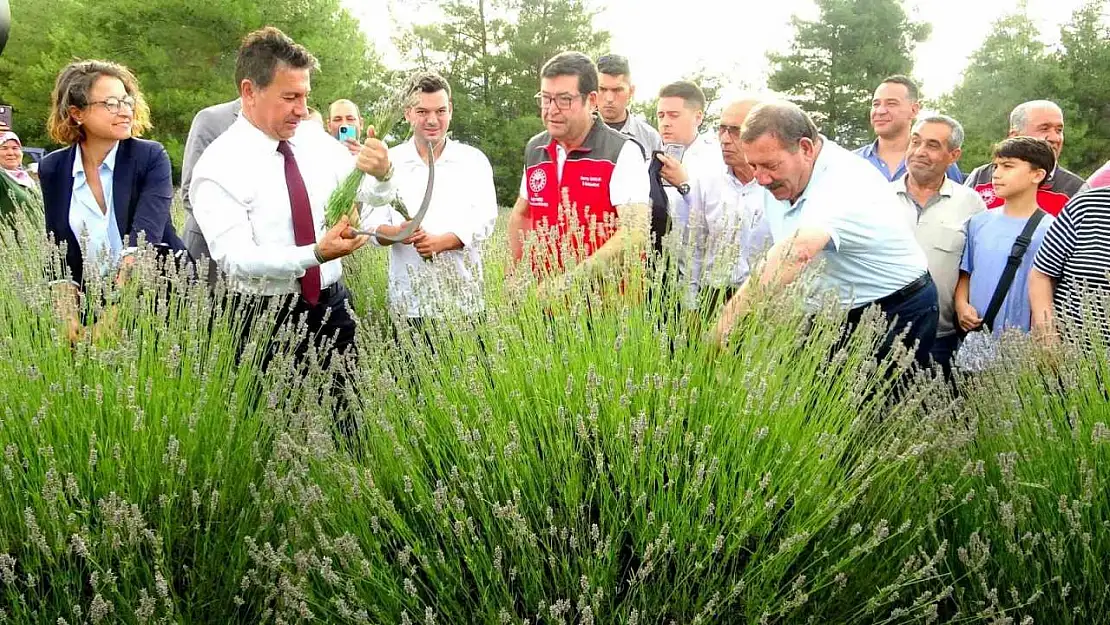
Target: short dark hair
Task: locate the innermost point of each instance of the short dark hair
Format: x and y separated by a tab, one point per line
913	92
614	65
572	64
1037	152
263	50
688	91
427	82
781	119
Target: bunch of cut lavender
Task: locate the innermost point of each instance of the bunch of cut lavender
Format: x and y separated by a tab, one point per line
384	115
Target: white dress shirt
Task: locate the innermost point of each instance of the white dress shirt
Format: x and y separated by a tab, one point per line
241	203
96	230
692	213
463	203
740	232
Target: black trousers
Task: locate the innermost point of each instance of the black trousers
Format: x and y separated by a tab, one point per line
328	322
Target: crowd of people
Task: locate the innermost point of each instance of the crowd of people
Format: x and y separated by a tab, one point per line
1019	244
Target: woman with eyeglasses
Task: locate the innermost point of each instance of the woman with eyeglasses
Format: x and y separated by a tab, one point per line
108	188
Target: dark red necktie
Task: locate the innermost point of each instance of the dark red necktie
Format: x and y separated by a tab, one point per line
304	229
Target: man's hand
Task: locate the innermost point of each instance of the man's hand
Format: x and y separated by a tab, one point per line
428	245
967	316
673	171
354	147
373	156
4	127
340	241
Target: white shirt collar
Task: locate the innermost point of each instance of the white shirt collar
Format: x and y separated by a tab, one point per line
819	167
409	153
259	140
109	160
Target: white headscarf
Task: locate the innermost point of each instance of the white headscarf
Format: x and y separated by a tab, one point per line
20	176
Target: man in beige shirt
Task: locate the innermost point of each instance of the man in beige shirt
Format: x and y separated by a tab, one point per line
938	209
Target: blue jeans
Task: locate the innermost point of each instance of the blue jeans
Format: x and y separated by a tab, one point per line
916	309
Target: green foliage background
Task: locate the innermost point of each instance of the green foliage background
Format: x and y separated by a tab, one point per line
492	50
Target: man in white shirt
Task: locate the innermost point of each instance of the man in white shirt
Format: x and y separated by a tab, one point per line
260	189
437	272
844	213
740	232
691	172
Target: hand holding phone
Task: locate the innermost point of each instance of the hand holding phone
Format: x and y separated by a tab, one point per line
6	116
347	132
675	151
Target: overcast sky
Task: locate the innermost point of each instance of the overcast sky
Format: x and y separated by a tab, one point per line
663	42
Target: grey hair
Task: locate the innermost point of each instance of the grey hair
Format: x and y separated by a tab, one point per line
1020	115
781	119
955	139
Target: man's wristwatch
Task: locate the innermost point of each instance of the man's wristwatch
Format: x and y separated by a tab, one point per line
683	188
388	175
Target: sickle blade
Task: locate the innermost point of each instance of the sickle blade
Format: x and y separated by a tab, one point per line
414	223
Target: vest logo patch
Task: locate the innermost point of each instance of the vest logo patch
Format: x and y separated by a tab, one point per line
987	193
537	181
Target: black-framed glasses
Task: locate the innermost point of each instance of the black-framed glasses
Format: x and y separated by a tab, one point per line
563	101
113	104
733	131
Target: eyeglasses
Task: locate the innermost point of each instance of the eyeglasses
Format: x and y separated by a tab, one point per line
733	131
563	101
113	104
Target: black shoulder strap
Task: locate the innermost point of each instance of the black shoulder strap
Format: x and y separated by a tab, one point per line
1021	244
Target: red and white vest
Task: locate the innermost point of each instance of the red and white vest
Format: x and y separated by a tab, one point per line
586	178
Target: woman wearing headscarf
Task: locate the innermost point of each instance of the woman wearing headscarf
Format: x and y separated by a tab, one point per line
17	187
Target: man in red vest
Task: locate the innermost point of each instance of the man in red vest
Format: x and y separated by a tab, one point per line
584	194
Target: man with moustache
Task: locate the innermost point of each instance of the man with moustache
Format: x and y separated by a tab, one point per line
601	171
437	272
839	212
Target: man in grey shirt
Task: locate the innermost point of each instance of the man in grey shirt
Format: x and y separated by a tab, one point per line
615	91
207	125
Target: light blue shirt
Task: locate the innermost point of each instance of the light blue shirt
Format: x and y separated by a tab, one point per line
96	230
990	237
872	251
871	153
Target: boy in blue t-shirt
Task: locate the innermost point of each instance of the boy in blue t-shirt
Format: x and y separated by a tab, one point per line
1021	165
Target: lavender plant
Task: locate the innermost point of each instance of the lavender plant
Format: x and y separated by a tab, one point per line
571	455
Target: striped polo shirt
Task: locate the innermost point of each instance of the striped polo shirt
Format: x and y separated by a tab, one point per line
1076	252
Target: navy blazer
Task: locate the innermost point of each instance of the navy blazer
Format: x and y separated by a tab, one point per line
142	189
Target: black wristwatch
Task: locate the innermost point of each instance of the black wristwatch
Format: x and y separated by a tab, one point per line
683	188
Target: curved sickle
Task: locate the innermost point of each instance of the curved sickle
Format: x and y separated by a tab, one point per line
414	223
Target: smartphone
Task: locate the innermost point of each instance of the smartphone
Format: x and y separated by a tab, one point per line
347	132
675	151
6	115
